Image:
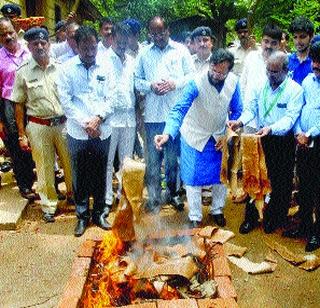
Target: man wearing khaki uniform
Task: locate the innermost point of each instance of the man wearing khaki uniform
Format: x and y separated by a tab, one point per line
35	93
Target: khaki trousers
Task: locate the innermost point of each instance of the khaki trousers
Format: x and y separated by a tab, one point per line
46	141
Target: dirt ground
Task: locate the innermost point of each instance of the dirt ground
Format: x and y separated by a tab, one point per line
36	261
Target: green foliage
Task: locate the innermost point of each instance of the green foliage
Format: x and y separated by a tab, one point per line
221	14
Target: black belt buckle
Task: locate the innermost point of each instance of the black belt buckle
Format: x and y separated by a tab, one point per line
55	121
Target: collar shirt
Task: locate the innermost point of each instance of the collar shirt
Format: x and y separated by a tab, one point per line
278	109
120	89
8	65
298	70
35	88
200	65
174	63
83	96
59	49
240	54
309	120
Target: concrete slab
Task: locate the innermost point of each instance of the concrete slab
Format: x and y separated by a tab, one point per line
12	205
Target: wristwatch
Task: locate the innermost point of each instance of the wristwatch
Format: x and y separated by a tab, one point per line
101	118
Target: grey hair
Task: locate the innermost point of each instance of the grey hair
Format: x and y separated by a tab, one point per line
281	58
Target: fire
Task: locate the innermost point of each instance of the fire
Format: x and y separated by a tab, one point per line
106	289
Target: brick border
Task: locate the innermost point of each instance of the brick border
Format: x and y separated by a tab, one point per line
222	275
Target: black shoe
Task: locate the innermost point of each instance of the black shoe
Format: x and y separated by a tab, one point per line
152	207
27	193
6	166
80	227
269	227
294	233
194	224
60	195
102	222
247	226
313	243
47	217
177	203
218	219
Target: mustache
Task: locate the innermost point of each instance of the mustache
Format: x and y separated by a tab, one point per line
316	68
9	40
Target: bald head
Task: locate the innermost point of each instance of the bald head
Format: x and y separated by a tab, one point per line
277	68
159	32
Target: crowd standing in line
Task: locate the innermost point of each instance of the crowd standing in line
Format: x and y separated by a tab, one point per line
83	104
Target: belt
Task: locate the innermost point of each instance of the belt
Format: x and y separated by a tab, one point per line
48	122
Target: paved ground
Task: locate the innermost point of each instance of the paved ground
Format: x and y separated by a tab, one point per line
36	261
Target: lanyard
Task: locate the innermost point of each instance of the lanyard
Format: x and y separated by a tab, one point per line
274	101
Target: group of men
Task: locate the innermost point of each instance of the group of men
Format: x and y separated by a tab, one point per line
76	103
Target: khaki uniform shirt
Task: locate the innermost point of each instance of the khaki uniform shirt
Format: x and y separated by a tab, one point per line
200	65
240	54
36	89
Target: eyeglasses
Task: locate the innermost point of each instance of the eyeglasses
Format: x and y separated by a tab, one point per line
160	35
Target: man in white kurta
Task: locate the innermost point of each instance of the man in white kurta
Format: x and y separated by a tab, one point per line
120	91
201	116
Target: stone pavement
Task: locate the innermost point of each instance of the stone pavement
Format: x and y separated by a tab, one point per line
12	205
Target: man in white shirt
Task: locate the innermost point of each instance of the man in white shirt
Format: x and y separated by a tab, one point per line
81	87
120	93
105	31
276	106
163	69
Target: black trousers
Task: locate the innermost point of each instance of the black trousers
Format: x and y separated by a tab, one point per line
308	169
22	161
280	155
89	166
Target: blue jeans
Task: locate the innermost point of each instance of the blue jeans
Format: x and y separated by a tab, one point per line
89	165
170	155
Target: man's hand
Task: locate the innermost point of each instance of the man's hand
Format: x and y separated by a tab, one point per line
163	87
234	124
160	140
2	131
24	144
92	127
264	131
219	144
302	139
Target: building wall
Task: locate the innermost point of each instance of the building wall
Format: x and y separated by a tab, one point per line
45	8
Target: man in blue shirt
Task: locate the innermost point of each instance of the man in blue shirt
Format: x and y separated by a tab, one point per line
277	106
201	116
308	159
81	87
302	31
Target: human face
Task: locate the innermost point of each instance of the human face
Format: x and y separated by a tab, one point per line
243	36
219	72
8	36
301	41
61	36
159	34
88	50
106	33
120	44
39	49
133	40
275	73
269	45
203	45
316	68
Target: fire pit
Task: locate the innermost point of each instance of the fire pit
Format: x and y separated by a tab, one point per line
108	272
